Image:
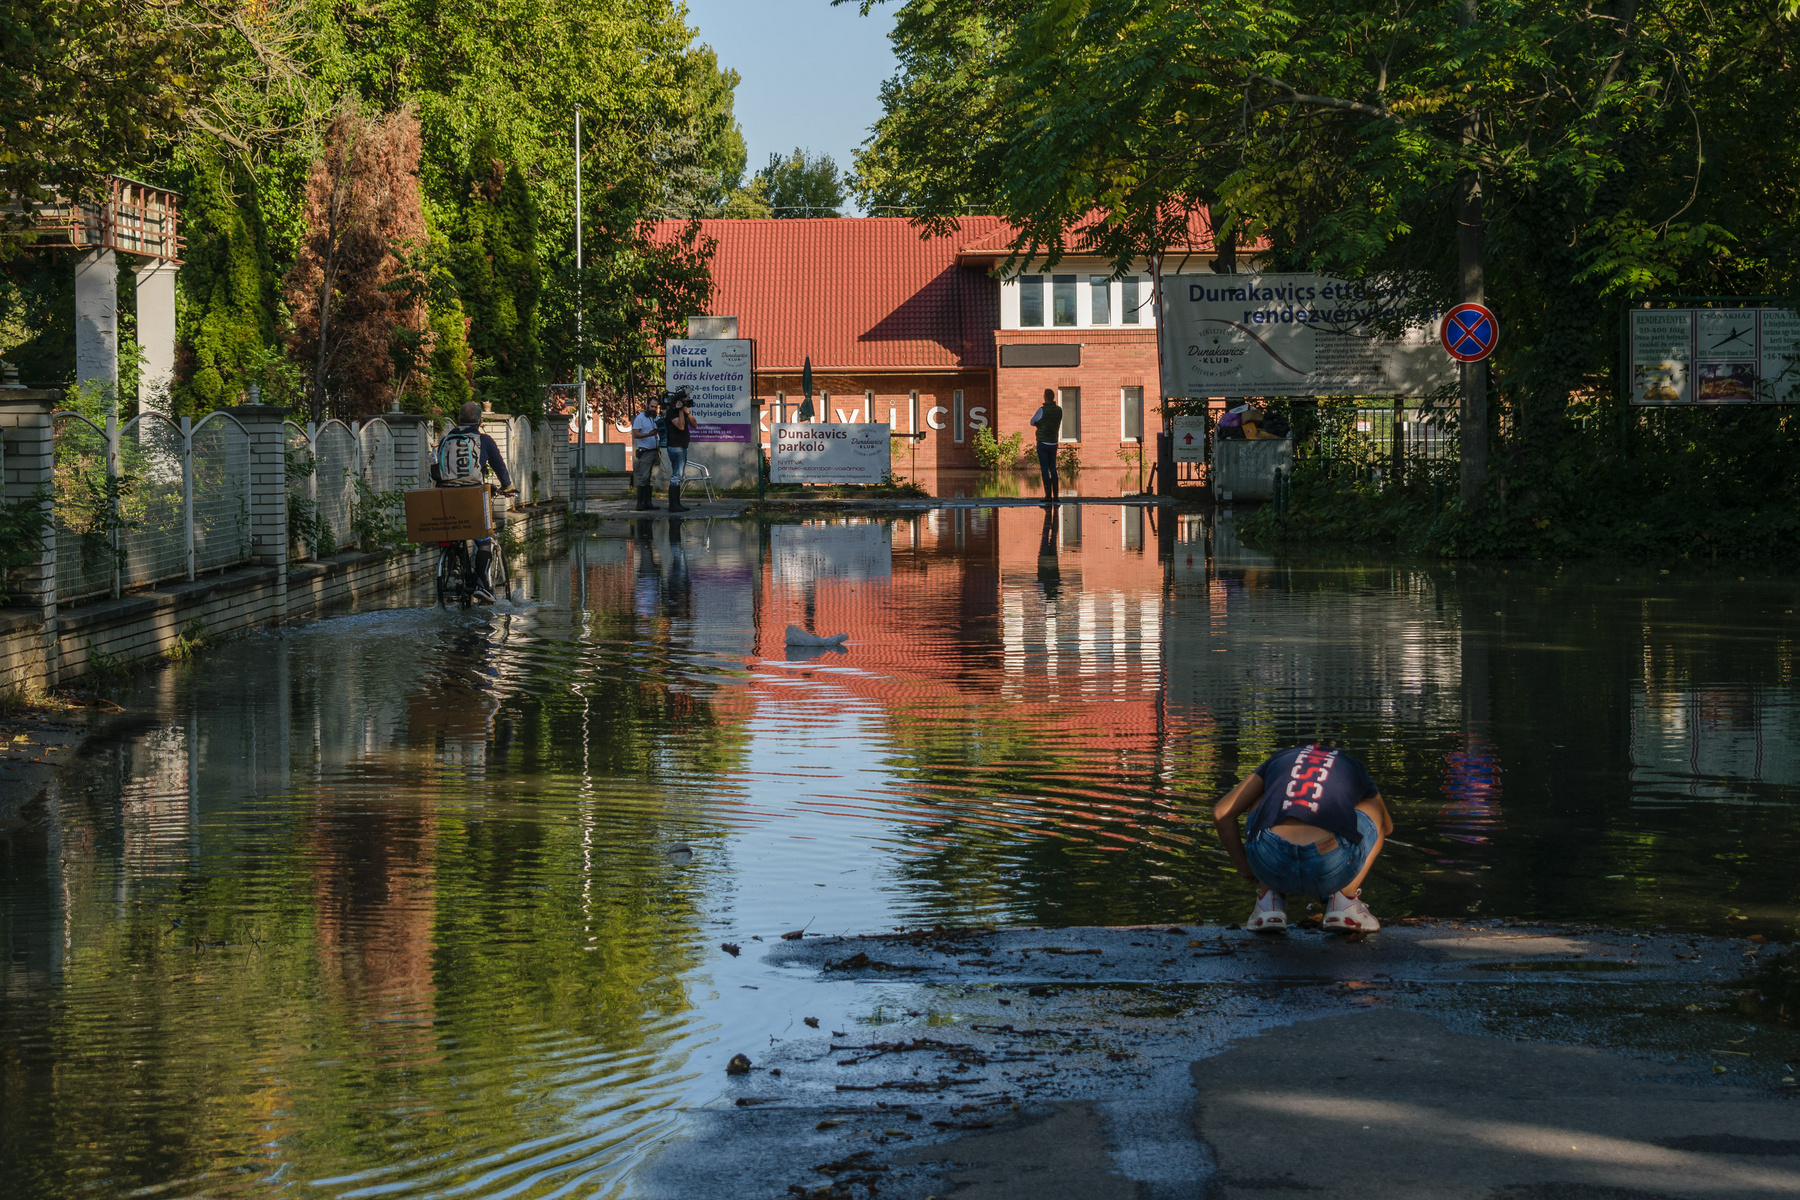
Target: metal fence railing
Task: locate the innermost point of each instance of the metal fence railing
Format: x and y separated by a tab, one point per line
147	500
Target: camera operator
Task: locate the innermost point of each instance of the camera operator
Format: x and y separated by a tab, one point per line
679	422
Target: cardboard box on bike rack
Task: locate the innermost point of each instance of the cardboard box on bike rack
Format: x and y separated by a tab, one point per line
448	514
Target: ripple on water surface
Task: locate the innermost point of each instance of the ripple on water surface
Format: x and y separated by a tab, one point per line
384	904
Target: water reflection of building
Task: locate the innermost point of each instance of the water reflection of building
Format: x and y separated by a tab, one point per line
1709	742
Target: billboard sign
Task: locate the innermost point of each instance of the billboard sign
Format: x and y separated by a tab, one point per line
1294	335
1713	356
822	452
718	377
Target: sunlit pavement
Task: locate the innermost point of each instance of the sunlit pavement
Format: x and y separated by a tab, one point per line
1431	1060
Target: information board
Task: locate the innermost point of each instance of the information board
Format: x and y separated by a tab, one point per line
821	452
1190	439
1713	356
1294	335
718	378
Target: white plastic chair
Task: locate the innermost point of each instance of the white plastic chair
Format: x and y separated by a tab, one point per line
694	467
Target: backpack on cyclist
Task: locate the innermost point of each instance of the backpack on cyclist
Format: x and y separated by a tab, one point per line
459	458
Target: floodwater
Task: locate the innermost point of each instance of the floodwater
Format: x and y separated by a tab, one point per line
411	903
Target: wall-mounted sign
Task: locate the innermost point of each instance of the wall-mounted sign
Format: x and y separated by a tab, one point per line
1294	335
1190	439
818	452
718	379
1713	356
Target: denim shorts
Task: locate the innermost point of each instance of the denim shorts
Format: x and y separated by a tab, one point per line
1287	868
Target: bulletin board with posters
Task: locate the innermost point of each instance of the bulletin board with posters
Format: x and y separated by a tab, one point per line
1710	354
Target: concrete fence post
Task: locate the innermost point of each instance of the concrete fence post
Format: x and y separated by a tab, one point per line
412	449
268	489
29	475
556	428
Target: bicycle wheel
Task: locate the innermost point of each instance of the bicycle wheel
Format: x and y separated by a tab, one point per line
465	576
446	566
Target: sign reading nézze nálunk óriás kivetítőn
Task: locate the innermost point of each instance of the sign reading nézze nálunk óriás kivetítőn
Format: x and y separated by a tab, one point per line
718	380
818	452
1713	356
1295	335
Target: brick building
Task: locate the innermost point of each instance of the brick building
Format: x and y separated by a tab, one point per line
931	334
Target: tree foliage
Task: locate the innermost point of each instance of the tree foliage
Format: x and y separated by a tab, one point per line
363	219
802	185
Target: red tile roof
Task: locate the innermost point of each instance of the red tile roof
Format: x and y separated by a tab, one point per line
998	243
853	292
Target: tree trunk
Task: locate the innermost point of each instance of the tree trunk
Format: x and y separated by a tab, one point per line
1471	288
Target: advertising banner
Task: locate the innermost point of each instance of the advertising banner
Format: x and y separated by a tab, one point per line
1293	335
818	452
1713	356
717	377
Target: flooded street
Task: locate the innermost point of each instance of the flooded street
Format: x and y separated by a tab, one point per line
410	903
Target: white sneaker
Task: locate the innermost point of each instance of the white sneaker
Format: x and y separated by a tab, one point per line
1348	914
1269	915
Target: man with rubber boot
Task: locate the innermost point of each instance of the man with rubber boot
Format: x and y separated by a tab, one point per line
646	441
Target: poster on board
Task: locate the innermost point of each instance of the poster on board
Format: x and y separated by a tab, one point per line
822	452
1294	335
718	377
1713	356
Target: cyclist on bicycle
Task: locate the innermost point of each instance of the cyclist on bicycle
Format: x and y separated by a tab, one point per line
463	459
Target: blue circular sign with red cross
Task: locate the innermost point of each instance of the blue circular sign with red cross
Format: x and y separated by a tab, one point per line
1470	332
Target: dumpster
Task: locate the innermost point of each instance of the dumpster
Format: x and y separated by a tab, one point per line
1245	469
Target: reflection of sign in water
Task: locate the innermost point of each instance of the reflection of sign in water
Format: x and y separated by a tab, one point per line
1190	439
1714	356
716	375
822	452
809	553
1294	335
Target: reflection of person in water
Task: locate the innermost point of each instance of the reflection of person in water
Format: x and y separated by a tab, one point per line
661	589
1049	569
676	591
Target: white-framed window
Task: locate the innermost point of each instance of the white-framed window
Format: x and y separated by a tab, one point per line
1063	301
1070	399
1131	413
1099	300
956	416
1031	301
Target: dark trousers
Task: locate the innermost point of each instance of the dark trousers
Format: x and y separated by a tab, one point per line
1047	464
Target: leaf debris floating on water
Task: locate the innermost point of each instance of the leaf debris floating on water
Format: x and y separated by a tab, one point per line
731	948
739	1065
812	1022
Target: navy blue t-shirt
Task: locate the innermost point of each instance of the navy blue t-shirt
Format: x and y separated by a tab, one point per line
1315	784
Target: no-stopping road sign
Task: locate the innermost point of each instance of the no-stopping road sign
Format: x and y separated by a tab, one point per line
1470	332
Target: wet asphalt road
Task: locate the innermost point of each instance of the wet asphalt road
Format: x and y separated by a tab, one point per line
1491	1061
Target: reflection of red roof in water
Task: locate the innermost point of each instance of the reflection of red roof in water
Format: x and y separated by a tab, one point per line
963	625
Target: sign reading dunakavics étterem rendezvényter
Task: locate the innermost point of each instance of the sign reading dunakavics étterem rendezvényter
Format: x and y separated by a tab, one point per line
1294	335
821	452
1713	356
717	376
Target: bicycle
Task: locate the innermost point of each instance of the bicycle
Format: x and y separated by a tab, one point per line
456	573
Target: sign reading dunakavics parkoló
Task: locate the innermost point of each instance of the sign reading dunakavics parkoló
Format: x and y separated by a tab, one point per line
816	452
718	378
1714	356
1294	335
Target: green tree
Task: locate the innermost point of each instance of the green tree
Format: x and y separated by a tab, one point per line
227	317
495	260
803	185
1560	162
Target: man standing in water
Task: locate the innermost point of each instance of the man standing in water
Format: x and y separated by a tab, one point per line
1047	420
1317	821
